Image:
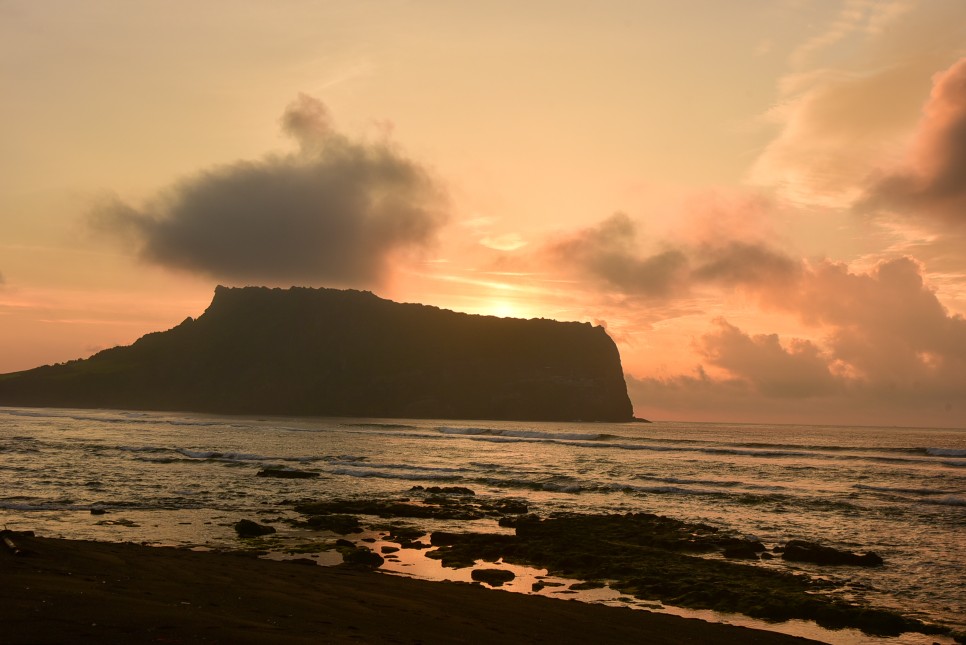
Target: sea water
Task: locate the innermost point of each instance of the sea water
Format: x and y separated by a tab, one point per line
184	479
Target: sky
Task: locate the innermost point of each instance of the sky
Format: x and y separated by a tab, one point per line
763	201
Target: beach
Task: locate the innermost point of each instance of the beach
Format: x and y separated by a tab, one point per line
84	592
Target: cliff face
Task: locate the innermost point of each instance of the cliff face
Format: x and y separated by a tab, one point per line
345	353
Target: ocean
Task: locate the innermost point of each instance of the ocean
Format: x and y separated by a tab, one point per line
184	479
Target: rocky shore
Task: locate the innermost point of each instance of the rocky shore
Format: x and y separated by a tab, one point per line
58	591
644	556
85	591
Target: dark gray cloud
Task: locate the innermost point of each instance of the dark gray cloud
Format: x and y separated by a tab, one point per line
932	181
335	212
609	252
743	263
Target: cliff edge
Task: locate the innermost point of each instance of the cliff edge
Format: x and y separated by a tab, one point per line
329	352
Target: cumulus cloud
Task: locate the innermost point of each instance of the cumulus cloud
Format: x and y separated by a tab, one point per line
334	212
610	253
884	345
932	180
772	370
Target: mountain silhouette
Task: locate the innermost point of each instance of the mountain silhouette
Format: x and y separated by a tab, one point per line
330	352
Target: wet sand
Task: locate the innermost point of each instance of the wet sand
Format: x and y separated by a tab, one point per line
60	591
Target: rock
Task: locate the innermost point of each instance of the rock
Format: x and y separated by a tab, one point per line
248	528
514	521
286	473
97	511
803	551
337	523
405	533
345	543
445	490
362	556
493	577
389	549
743	549
507	506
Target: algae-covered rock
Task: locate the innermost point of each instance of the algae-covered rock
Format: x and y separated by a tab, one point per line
493	577
248	528
286	473
802	551
653	558
363	557
337	523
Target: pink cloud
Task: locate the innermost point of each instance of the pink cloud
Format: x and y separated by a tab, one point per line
800	370
931	181
885	350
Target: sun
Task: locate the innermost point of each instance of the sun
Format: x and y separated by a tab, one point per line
504	309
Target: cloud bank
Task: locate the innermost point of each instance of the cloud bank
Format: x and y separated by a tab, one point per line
334	212
884	345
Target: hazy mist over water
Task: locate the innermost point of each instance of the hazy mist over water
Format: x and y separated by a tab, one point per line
184	479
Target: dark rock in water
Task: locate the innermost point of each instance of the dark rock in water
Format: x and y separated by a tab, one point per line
444	538
444	490
328	352
507	506
435	506
286	473
584	586
337	523
389	549
362	556
743	549
405	533
803	551
248	528
740	552
345	543
493	577
652	558
513	521
96	510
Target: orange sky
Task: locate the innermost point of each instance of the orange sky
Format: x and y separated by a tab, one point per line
763	201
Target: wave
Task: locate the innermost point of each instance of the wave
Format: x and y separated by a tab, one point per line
407	467
721	483
215	455
601	442
949	500
946	452
524	434
905	491
387	426
383	474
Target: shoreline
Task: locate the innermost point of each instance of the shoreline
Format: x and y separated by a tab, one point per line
85	591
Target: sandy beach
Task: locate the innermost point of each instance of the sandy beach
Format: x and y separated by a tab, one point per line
58	591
